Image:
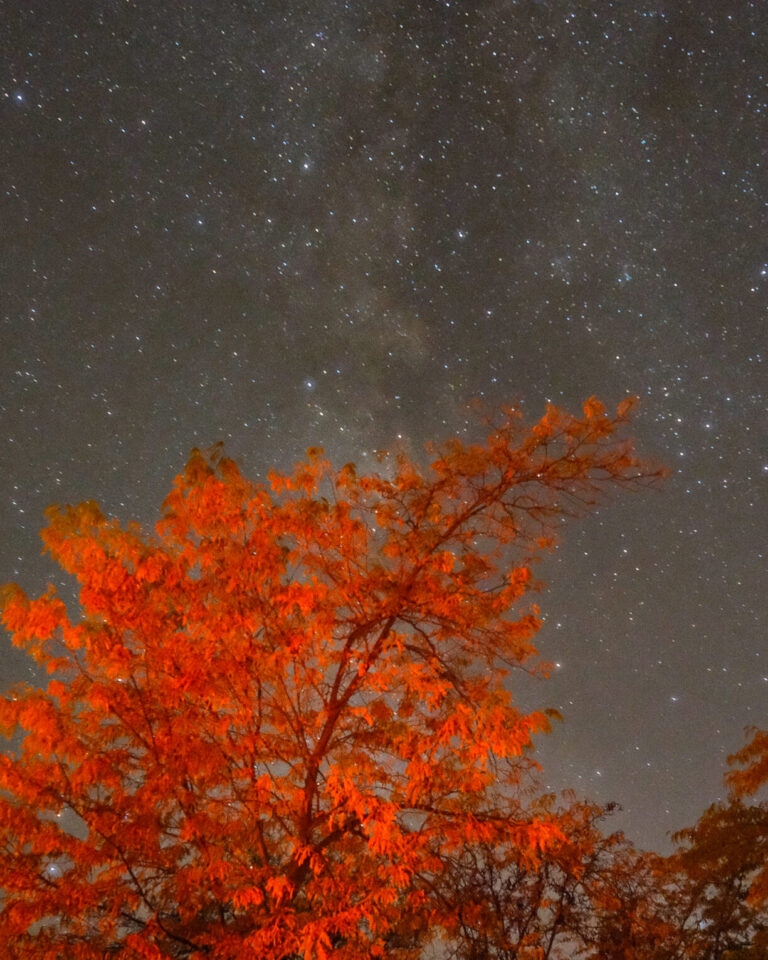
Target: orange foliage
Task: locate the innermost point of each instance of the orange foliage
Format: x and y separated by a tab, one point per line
745	782
281	712
753	758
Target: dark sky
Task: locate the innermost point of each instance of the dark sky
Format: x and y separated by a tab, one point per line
317	222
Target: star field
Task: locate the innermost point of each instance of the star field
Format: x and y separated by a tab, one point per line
337	223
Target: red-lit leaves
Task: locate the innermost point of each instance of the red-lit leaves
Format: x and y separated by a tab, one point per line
283	710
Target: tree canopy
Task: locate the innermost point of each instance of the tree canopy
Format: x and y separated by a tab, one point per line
284	714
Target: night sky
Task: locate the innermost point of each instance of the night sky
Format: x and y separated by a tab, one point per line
315	222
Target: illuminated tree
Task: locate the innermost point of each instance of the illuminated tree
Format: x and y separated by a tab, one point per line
282	712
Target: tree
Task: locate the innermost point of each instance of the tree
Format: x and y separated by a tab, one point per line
719	858
748	776
753	760
633	913
510	906
692	904
281	713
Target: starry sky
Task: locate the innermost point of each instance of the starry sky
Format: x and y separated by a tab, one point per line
326	222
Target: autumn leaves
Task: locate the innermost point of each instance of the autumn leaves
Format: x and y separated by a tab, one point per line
284	715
